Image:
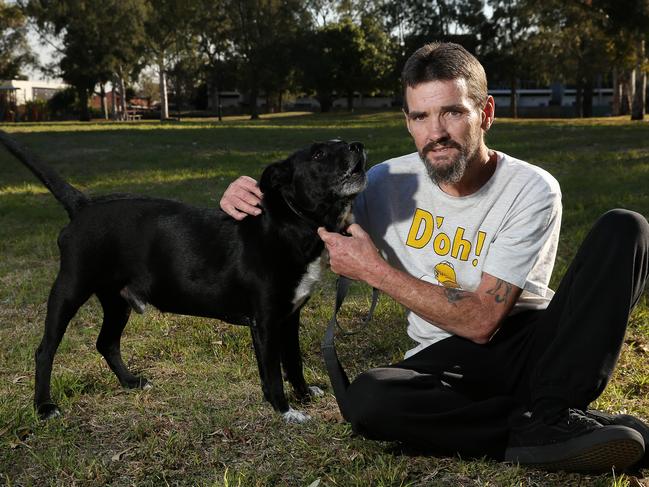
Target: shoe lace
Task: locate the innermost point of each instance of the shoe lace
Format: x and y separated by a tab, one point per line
578	416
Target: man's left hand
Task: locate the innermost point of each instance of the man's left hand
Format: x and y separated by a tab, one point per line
354	256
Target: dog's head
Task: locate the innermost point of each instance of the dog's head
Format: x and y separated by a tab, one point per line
318	181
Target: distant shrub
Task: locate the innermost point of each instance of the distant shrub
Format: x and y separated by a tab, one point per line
63	105
36	111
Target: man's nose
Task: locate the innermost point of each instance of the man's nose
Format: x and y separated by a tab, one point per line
436	129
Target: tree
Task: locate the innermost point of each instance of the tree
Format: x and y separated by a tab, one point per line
572	46
212	30
96	46
631	16
507	54
263	34
15	53
342	58
166	23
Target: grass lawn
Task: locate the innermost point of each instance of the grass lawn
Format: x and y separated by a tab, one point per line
205	422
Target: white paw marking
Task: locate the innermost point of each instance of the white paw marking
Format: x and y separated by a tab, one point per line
147	386
54	413
315	391
294	416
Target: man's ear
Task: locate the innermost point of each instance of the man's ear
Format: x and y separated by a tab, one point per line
275	175
488	113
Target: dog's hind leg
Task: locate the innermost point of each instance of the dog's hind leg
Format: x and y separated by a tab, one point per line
292	358
116	314
66	297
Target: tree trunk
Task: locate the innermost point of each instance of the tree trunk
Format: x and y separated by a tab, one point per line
84	113
579	99
164	103
215	97
627	92
113	101
513	97
350	100
637	109
254	111
122	89
325	102
617	93
587	101
102	96
280	107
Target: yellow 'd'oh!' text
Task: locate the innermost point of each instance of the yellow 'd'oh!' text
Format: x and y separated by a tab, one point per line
422	230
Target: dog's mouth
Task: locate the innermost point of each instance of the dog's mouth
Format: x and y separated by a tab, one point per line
360	165
357	160
354	180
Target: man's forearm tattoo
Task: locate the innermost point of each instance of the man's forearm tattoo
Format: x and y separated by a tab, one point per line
454	295
501	291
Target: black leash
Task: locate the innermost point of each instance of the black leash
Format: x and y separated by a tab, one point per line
337	375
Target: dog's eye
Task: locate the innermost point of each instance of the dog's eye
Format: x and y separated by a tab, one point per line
318	155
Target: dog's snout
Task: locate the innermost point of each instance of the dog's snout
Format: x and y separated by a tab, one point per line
356	147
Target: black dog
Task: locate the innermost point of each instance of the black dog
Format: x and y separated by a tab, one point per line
133	250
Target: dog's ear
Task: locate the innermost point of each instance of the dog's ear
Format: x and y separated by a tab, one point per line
275	175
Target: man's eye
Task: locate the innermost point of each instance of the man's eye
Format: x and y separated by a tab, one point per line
318	155
453	113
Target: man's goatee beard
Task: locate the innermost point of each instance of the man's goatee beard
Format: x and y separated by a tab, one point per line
448	174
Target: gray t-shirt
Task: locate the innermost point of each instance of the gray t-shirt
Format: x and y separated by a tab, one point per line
509	228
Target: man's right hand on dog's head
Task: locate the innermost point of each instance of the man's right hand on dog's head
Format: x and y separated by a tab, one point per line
242	198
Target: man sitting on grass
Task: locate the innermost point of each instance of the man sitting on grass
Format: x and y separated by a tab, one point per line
466	239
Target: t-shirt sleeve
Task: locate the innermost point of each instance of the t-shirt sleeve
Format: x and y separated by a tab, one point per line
523	250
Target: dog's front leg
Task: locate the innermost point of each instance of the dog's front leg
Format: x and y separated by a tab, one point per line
265	340
292	358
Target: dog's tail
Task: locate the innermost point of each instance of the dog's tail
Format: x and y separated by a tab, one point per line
71	198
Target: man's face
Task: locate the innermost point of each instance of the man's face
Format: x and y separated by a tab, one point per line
446	127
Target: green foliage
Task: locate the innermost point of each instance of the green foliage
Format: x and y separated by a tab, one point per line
96	45
344	57
62	104
331	48
265	32
15	53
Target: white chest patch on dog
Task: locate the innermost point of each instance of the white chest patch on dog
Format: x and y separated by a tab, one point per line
310	277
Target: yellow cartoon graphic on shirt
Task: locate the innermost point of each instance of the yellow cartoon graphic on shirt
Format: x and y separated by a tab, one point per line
422	233
445	275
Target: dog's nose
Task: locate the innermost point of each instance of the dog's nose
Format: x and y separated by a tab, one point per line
356	147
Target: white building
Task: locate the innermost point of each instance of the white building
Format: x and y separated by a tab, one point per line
26	91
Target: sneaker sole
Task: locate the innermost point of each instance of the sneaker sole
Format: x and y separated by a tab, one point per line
611	447
628	421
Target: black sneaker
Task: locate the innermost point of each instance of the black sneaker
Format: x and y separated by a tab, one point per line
627	420
575	443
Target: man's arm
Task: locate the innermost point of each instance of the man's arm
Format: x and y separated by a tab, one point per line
473	315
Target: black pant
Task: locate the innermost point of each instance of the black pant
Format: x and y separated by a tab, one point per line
456	396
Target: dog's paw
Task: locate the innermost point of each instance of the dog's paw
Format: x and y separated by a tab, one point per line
294	416
315	391
137	383
48	411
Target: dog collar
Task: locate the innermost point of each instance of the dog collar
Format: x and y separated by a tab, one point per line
299	213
